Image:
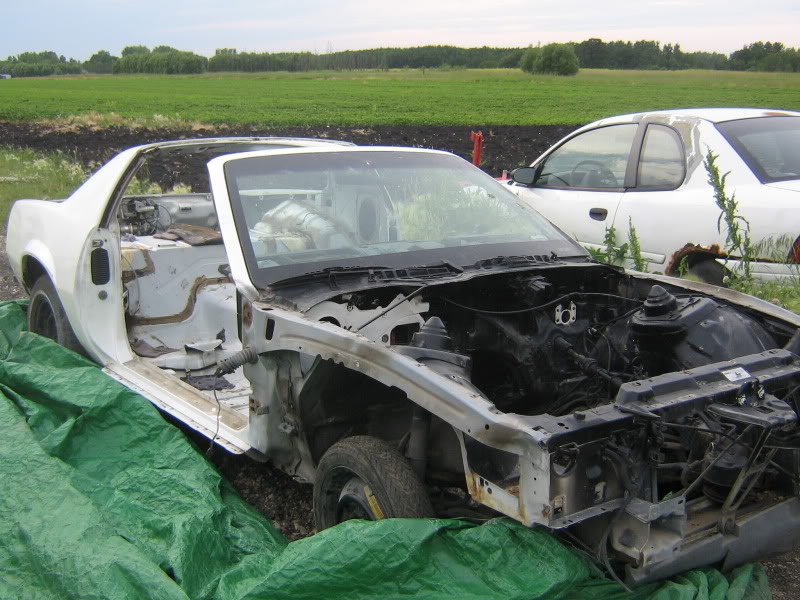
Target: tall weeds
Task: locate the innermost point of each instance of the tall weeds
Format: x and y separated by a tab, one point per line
737	234
617	255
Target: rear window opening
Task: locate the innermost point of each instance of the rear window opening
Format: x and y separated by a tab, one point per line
769	145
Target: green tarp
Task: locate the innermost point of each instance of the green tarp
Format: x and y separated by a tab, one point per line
101	498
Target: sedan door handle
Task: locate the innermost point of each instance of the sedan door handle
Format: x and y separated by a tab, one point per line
598	214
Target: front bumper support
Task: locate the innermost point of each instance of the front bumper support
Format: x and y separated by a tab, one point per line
774	530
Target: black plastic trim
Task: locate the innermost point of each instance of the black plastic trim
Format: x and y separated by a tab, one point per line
633	170
100	266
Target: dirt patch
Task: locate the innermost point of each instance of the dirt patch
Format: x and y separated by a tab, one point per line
505	147
271	492
9	288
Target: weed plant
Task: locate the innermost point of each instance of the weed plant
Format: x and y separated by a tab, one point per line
785	292
737	229
29	174
616	254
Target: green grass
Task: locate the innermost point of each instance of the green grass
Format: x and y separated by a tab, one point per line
411	97
785	294
29	174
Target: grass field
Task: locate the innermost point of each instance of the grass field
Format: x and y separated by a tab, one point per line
28	174
403	97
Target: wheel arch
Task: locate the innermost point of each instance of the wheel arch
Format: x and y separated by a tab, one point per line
46	315
36	261
692	254
337	402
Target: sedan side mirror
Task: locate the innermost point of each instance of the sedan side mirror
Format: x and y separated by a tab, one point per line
524	175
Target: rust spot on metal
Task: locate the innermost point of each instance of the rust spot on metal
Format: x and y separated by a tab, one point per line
694	250
489	494
194	235
198	284
247	314
794	252
472	484
482	493
131	274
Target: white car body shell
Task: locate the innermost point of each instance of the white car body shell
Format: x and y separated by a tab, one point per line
60	235
198	330
665	221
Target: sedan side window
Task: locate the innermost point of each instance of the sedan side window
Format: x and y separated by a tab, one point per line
661	164
596	159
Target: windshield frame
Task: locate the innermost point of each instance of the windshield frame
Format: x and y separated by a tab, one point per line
462	255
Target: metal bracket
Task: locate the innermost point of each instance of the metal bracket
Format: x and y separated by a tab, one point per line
647	512
566	316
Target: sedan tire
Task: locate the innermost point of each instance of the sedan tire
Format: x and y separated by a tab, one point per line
46	316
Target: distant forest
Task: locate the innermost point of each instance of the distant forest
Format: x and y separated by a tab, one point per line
592	54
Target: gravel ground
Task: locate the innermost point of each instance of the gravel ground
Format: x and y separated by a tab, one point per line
9	288
271	492
274	494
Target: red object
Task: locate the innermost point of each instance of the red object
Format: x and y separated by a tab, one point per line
477	146
794	253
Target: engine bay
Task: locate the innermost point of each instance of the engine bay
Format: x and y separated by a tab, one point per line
540	344
644	394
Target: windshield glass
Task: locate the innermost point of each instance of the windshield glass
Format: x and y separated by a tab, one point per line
769	145
301	212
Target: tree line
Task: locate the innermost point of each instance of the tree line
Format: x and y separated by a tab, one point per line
40	64
592	53
161	60
229	59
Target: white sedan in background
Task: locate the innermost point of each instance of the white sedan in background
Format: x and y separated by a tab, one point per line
647	169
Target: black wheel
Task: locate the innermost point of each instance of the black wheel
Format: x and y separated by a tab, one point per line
707	270
363	477
46	315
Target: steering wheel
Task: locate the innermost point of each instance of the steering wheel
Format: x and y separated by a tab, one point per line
606	175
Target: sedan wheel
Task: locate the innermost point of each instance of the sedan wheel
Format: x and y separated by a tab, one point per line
47	318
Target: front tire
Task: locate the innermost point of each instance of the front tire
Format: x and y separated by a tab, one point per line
47	318
363	477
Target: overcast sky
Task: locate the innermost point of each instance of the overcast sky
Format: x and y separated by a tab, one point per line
78	28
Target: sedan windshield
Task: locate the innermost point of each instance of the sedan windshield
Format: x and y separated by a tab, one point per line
769	145
304	211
